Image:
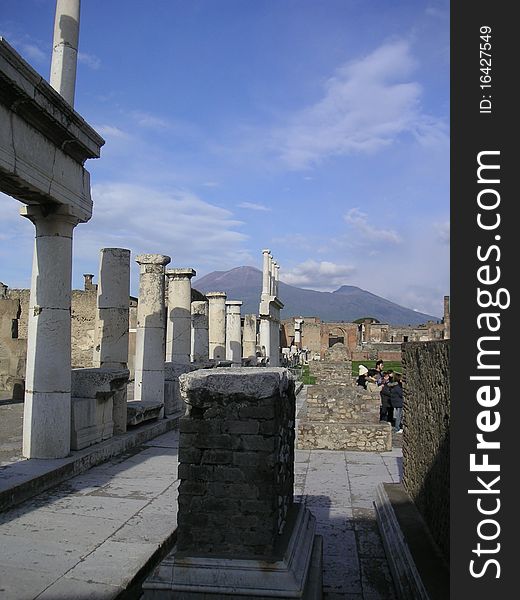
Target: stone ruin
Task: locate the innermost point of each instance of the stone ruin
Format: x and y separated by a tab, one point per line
240	534
339	415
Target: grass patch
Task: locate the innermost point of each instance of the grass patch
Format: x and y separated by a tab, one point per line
307	378
395	365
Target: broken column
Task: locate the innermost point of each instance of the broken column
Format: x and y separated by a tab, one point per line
240	533
447	317
111	333
199	331
178	330
149	352
249	339
233	332
217	325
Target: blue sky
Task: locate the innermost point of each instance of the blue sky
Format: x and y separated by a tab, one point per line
316	128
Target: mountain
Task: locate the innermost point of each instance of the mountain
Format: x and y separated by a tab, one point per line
347	303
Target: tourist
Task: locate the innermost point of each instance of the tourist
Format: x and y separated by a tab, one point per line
379	372
396	400
386	411
362	376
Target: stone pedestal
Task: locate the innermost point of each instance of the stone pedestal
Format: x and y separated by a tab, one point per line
178	330
46	423
149	352
199	332
239	532
217	325
98	402
233	332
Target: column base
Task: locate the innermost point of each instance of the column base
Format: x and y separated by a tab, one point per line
297	575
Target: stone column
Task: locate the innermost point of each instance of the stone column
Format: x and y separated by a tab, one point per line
266	272
265	337
178	330
199	331
298	332
47	410
249	337
273	278
233	332
274	339
149	351
217	325
65	48
113	300
276	278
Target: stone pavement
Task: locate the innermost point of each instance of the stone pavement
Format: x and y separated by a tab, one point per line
99	533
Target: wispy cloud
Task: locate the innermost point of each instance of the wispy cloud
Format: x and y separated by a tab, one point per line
316	275
360	221
89	60
111	131
253	206
366	105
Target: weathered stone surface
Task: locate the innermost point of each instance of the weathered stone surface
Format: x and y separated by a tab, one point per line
341	435
94	383
173	402
206	386
426	436
91	421
341	402
138	412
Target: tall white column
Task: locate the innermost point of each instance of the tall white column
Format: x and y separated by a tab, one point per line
249	336
233	332
276	278
65	48
266	273
178	331
47	409
113	301
217	325
199	331
149	352
298	332
273	278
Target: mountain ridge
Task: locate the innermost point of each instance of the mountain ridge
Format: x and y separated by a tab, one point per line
347	303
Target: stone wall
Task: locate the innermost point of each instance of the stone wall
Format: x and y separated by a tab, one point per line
12	349
426	465
236	455
331	372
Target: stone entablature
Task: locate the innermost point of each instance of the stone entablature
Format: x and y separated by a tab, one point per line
49	168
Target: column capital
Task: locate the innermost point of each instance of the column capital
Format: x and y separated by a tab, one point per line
180	273
266	251
234	303
50	219
215	295
152	259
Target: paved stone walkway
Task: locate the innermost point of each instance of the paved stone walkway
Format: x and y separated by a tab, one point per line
90	537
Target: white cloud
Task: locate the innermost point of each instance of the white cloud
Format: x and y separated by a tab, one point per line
31	52
316	275
368	230
366	105
253	206
110	131
150	121
89	60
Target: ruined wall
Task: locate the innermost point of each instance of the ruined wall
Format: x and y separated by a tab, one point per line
426	464
12	349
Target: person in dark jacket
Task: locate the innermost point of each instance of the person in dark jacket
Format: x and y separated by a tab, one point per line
396	400
385	412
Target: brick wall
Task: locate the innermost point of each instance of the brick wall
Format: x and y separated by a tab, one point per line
426	368
236	461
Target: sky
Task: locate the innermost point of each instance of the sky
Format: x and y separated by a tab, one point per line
316	128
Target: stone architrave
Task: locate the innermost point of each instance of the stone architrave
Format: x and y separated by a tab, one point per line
217	325
199	331
178	329
249	337
233	332
149	352
240	533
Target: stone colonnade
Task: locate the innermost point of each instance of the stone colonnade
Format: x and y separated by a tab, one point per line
270	306
249	337
199	331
